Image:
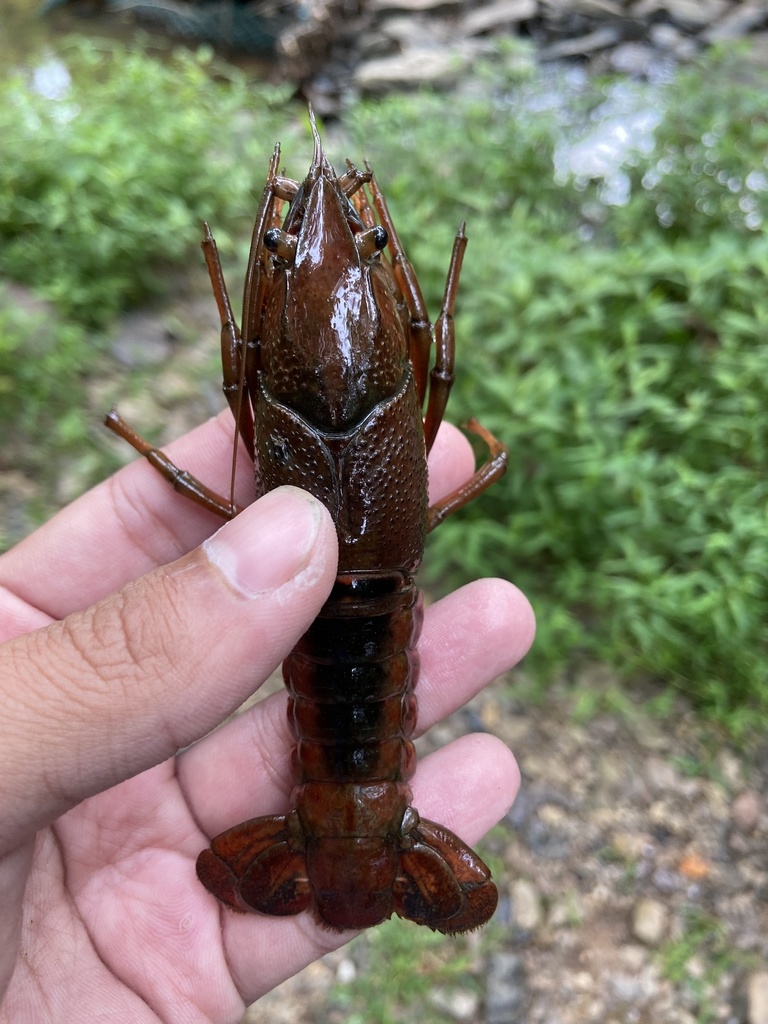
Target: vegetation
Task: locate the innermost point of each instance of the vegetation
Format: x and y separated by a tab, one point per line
40	365
619	351
106	182
626	375
416	965
112	159
697	960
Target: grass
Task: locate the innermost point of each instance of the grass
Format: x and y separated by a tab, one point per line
697	962
413	963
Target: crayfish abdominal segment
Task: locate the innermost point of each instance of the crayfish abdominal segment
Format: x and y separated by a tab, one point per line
327	378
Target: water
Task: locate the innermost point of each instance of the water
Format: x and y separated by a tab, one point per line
619	130
26	36
601	143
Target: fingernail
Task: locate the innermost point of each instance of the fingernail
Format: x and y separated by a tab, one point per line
266	545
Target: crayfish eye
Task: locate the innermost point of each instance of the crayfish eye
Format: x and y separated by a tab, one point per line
280	243
371	241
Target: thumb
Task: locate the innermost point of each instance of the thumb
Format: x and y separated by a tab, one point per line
108	692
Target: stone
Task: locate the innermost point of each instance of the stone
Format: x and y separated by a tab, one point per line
598	8
601	39
693	866
546	841
629	846
407	30
497	15
664	36
633	59
730	770
661	776
412	5
18	295
526	906
141	340
667	881
456	1003
745	810
566	912
758	49
413	68
649	921
633	957
559	10
670	819
346	971
737	22
757	998
506	993
689	14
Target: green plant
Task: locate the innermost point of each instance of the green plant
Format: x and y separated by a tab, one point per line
627	377
42	362
706	172
108	183
401	965
705	943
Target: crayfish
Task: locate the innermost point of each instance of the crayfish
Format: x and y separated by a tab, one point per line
329	381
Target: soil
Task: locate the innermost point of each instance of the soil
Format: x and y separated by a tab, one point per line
634	885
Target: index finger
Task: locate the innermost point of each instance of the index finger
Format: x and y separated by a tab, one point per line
134	522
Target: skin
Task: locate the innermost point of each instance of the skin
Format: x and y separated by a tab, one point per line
124	643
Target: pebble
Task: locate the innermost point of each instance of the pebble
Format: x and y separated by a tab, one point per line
141	340
412	5
745	810
737	22
649	921
630	845
526	906
757	998
667	881
689	14
664	36
730	769
346	971
415	66
601	39
503	13
661	776
636	59
506	994
456	1003
694	866
566	912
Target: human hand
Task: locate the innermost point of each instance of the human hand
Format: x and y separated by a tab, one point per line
105	678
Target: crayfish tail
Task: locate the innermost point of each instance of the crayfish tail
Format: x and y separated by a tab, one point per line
259	865
443	883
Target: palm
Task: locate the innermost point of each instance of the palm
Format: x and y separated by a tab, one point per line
96	912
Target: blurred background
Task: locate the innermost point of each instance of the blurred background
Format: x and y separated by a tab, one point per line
610	158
